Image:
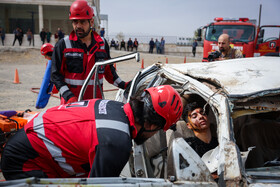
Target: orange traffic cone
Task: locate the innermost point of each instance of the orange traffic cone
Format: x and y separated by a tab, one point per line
16	81
166	60
142	65
115	66
185	59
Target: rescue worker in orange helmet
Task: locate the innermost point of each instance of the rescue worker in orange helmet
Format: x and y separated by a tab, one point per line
75	55
88	138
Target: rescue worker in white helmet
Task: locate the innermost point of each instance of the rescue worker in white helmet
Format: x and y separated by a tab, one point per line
88	138
75	55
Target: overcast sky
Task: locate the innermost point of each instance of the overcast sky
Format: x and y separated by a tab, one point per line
181	17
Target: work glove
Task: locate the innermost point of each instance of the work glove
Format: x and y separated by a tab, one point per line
68	97
72	100
127	84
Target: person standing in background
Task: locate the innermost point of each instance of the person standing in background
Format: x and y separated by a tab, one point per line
129	44
162	44
60	33
157	43
2	34
151	44
49	35
29	36
122	45
56	37
20	36
135	44
43	35
102	32
194	45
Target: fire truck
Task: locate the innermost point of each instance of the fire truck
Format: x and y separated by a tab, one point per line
252	41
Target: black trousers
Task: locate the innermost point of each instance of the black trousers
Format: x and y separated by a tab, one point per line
17	151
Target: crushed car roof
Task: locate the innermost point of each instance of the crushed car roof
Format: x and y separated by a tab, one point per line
238	77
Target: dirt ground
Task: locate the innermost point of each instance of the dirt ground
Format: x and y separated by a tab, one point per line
31	67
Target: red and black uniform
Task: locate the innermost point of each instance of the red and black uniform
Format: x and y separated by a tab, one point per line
87	138
72	61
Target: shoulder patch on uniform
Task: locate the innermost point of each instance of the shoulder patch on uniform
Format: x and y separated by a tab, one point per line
102	107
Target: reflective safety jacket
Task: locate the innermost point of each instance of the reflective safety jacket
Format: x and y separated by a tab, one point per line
72	62
87	138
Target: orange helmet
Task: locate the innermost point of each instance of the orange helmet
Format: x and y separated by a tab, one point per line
167	103
46	48
80	9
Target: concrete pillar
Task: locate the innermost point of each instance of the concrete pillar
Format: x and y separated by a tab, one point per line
107	29
41	19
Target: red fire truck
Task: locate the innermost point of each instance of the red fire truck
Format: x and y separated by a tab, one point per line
244	36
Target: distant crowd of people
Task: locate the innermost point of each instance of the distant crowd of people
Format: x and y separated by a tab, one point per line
130	46
133	45
45	35
158	44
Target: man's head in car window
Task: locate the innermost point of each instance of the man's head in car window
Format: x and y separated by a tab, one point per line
195	116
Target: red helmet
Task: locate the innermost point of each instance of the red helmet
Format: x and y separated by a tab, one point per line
80	9
46	48
167	103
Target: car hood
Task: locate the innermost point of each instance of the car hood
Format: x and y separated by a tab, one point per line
238	77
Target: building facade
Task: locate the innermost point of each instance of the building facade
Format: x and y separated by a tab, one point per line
38	14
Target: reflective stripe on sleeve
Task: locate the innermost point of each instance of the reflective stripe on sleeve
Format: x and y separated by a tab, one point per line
111	124
38	126
81	82
103	47
117	81
67	42
63	89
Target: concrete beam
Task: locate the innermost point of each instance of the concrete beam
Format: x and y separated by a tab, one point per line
42	2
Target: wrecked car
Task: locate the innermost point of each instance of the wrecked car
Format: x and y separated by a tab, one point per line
244	97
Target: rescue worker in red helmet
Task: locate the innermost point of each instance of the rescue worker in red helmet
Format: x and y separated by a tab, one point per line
88	138
47	88
75	55
47	50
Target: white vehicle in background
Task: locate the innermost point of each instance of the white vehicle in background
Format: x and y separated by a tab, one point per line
244	97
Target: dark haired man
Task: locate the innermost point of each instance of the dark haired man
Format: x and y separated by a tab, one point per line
197	120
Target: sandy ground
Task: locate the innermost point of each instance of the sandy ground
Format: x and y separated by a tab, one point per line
31	67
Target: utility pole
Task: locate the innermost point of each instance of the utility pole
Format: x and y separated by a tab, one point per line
260	15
